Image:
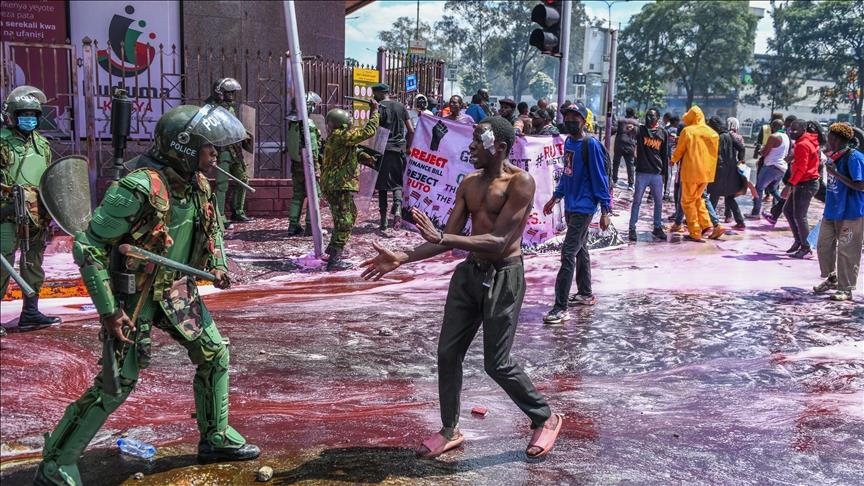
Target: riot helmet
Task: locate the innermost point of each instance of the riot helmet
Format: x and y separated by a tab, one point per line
312	101
338	118
184	130
225	85
23	98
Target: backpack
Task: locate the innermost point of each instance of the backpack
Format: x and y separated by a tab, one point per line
606	160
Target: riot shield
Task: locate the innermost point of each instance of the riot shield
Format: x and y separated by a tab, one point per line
65	193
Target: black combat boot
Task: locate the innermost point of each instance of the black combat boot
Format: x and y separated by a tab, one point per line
294	230
336	263
382	225
209	454
31	318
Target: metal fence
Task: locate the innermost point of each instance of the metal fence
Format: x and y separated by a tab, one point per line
74	79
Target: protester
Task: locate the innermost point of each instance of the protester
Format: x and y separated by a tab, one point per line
765	131
773	163
487	288
652	159
479	108
727	180
507	110
391	169
340	176
625	146
523	124
697	153
25	155
420	108
803	183
841	234
584	185
165	206
671	127
542	121
455	114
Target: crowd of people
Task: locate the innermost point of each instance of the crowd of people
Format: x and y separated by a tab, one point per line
165	205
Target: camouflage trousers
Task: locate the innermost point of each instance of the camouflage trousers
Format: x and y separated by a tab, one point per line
32	272
344	213
237	168
298	196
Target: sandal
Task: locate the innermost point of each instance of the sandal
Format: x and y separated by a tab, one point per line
437	444
544	438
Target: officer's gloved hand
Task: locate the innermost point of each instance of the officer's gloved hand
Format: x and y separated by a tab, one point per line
222	279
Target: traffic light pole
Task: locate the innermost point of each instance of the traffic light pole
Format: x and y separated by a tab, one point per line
565	56
610	88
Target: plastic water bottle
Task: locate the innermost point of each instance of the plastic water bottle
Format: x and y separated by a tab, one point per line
135	447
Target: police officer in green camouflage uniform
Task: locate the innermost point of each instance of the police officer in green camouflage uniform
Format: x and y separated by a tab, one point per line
164	205
294	142
340	176
231	157
24	156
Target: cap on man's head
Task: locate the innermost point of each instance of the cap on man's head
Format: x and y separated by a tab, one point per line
577	107
381	87
508	101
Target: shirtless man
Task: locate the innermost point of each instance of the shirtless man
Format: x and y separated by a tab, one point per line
488	287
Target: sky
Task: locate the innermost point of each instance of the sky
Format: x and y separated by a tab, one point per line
362	27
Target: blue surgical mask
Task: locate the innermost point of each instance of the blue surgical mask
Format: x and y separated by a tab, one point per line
27	123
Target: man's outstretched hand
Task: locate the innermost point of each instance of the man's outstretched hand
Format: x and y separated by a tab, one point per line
427	229
385	262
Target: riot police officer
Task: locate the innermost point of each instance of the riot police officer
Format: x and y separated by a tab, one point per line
294	142
24	156
230	157
340	176
167	184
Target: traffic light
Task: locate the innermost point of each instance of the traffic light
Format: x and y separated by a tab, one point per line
548	38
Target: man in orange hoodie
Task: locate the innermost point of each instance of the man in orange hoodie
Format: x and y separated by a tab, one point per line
696	151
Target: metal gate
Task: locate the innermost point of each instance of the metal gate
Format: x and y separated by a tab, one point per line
55	74
64	73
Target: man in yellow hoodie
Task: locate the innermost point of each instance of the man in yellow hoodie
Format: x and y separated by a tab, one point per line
697	151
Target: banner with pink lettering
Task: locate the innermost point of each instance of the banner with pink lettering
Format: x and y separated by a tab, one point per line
438	161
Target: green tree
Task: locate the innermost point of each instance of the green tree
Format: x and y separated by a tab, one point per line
777	79
541	85
703	45
827	39
403	30
510	51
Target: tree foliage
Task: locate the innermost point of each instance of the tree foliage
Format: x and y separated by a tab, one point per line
541	85
701	45
488	40
826	39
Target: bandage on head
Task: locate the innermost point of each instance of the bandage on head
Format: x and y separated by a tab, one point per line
488	139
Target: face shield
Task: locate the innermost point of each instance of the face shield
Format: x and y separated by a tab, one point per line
215	125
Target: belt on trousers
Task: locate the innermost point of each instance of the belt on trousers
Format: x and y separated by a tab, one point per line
491	267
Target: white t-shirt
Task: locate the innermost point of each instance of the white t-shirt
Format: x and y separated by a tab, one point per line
414	115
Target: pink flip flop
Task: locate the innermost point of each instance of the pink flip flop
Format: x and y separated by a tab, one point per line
544	438
437	444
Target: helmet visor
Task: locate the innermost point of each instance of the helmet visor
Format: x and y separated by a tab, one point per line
217	126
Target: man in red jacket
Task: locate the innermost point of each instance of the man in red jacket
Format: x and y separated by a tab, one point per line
803	182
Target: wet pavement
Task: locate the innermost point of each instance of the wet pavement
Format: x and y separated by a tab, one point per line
700	364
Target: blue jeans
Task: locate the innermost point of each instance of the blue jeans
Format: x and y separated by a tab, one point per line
679	212
655	182
768	175
574	258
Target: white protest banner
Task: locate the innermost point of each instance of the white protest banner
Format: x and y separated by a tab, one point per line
438	161
128	35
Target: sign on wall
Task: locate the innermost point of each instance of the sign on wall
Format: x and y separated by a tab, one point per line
128	35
